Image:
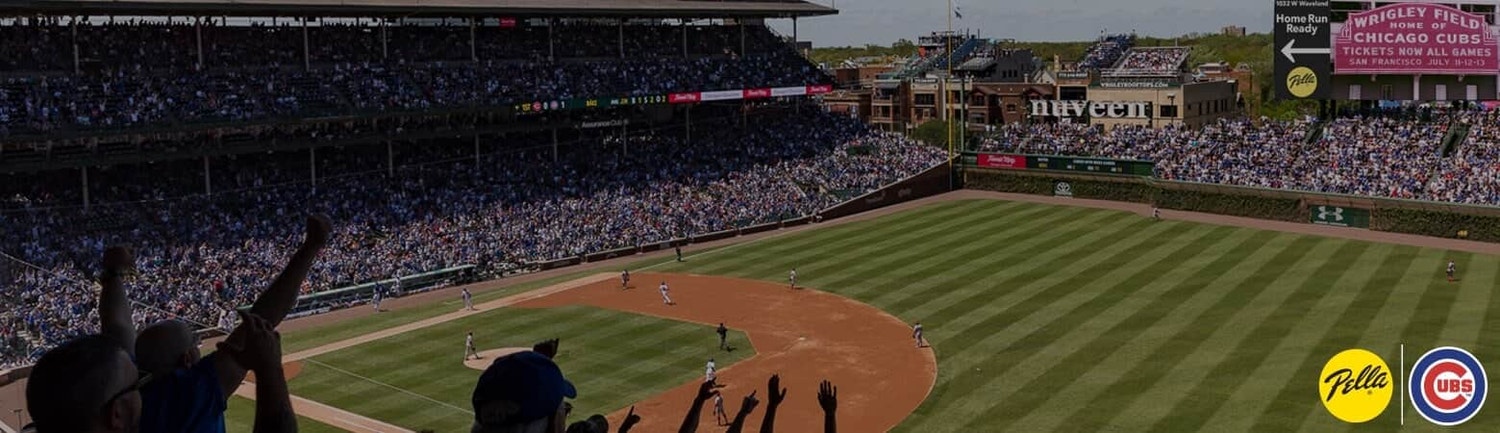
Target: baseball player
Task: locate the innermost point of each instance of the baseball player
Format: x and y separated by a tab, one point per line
679	253
376	300
664	298
624	279
719	415
710	372
468	299
469	349
1155	213
791	278
723	337
1452	269
916	334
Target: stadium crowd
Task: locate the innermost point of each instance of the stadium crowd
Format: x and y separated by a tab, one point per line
272	86
1381	156
602	194
1153	60
1106	51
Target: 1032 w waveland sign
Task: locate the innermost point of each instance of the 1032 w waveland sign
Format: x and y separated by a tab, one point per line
1340	216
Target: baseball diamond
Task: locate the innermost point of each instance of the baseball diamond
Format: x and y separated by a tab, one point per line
612	216
1041	318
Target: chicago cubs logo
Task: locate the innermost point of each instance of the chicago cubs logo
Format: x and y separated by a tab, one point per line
1447	386
1355	385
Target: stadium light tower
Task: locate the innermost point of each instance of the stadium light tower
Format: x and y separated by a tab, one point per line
947	104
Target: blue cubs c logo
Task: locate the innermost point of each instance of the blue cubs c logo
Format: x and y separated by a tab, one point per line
1447	386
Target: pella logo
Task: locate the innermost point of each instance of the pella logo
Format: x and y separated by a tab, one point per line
1355	385
1447	386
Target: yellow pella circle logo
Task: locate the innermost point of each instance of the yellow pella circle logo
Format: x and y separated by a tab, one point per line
1301	82
1355	385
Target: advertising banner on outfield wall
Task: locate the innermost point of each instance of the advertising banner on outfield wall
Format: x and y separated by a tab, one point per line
820	89
1340	216
684	98
1416	38
1000	160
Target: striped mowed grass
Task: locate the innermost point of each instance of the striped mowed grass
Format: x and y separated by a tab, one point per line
417	380
1049	318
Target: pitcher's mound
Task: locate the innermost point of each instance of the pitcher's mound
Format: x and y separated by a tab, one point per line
488	356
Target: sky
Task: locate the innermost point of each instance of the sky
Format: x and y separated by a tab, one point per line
882	22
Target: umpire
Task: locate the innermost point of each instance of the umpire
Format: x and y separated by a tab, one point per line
723	337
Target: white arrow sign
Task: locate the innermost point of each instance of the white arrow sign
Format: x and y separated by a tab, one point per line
1288	51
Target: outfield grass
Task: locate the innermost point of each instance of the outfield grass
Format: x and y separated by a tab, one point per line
1064	319
241	418
613	358
1043	318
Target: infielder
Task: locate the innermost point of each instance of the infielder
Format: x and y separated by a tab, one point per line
710	373
664	298
916	334
1452	269
624	279
792	278
469	349
679	253
719	415
468	299
376	300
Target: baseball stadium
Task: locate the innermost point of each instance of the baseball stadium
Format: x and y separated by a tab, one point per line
681	215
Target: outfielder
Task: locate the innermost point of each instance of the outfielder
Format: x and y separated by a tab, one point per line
469	349
916	334
792	278
664	298
468	299
1155	213
1452	269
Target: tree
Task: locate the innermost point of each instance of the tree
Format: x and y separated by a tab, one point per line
933	132
904	48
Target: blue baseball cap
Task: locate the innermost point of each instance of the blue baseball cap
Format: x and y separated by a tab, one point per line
519	388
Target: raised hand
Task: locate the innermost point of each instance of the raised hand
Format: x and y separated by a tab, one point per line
828	397
705	391
546	348
119	260
631	419
318	229
258	347
749	404
773	397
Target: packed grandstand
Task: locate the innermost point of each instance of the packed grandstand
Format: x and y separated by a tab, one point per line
173	88
455	192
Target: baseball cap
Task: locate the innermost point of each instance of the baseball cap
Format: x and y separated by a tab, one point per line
519	388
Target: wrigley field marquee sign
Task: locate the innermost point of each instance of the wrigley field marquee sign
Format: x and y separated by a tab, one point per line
1092	109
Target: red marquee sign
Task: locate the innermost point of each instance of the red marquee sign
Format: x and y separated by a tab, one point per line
1416	38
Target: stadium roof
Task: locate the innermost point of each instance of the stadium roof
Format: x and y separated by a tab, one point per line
427	8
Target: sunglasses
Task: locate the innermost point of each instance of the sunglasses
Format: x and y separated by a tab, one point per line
140	382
